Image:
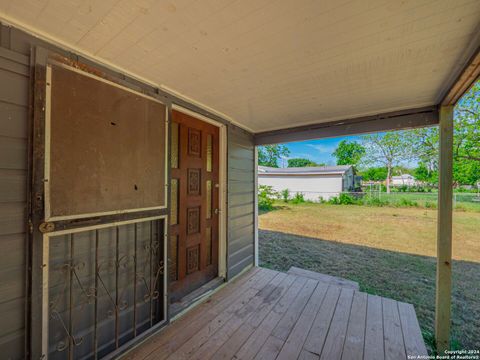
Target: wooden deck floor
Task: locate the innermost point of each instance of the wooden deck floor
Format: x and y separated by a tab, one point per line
272	315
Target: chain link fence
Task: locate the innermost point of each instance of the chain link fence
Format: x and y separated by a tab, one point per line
461	201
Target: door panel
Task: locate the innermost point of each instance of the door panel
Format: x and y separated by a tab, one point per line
193	257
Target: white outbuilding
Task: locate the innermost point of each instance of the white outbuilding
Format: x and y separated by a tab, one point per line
313	182
404	179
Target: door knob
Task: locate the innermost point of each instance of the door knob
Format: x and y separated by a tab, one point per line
216	211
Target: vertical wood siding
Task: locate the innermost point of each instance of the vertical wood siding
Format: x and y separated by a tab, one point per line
241	200
14	82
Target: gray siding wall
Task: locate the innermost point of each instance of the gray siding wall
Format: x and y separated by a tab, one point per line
241	200
14	80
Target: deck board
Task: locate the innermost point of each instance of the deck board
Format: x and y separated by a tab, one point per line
412	335
254	308
294	344
331	280
266	314
233	344
161	346
244	303
338	328
355	340
374	348
286	324
392	331
306	355
255	342
318	332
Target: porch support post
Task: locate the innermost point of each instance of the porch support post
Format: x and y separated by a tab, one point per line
255	222
444	231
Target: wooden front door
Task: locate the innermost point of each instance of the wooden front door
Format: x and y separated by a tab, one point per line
194	204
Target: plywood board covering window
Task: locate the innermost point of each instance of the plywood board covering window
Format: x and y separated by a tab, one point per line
107	146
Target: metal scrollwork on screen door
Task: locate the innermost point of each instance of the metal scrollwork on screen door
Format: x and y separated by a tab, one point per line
146	270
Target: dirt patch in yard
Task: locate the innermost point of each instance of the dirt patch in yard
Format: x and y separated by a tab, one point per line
388	251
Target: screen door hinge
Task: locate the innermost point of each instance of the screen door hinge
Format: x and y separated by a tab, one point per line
30	226
46	227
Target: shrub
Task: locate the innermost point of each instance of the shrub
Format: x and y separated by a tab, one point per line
375	201
334	200
285	195
346	199
420	189
430	205
343	199
400	188
403	202
298	198
266	196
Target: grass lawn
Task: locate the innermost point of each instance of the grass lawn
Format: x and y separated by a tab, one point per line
389	251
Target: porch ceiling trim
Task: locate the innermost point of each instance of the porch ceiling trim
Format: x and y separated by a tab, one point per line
465	80
398	120
466	75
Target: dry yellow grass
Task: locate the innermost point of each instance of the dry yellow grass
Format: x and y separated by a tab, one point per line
407	230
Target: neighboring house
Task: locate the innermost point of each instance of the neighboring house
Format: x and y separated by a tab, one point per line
404	179
312	182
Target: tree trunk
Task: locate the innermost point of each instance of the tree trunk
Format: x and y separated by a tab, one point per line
389	171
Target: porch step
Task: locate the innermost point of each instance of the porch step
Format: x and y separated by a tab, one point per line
332	280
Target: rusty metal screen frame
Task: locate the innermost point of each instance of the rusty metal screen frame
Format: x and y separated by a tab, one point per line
45	271
48	216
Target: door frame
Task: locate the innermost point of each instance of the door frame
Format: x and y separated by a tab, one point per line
222	198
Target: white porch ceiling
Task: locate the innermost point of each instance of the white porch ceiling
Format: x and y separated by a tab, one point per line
270	64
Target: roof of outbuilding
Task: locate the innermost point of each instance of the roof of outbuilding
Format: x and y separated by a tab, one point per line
311	170
403	176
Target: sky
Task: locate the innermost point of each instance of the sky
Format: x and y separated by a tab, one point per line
319	151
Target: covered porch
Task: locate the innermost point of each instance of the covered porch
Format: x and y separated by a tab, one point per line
266	314
248	73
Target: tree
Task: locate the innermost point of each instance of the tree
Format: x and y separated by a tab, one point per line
349	152
269	155
425	141
466	172
374	174
425	174
389	149
466	141
300	162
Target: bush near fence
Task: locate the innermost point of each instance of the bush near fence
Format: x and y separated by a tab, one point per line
461	201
